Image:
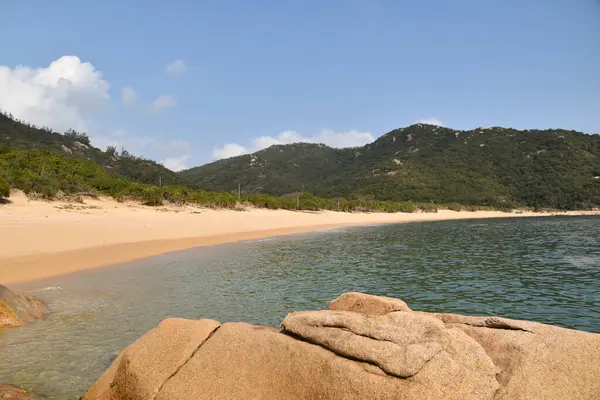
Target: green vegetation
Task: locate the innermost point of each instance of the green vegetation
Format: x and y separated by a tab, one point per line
495	167
47	174
419	168
22	135
4	188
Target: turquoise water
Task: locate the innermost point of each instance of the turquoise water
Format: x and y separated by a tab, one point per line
542	269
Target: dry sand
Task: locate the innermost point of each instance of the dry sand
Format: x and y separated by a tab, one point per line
41	239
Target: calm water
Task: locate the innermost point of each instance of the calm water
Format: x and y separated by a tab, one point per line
546	269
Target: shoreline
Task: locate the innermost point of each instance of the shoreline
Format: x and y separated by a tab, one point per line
42	239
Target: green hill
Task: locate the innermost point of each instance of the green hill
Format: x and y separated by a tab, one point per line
426	163
47	164
21	135
417	166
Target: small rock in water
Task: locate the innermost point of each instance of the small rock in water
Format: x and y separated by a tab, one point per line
10	392
18	308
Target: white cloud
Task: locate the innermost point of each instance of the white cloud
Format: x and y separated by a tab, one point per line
351	138
128	96
329	137
176	67
68	94
176	163
141	144
162	102
430	121
146	146
103	141
60	96
229	150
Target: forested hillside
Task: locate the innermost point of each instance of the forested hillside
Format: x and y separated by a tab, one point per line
50	165
22	135
418	166
426	163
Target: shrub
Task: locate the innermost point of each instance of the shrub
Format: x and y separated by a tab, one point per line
406	207
4	188
220	199
109	185
212	199
308	201
428	207
176	194
455	207
78	136
152	196
265	200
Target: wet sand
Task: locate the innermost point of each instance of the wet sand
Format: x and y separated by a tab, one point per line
42	239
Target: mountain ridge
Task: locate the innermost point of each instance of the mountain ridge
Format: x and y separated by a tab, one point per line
490	166
425	164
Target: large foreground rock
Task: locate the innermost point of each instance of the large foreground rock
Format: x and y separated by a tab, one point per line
364	347
18	308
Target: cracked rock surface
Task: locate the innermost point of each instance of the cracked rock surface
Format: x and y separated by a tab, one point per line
364	347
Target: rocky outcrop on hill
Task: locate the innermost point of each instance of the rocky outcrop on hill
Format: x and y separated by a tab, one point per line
362	347
18	308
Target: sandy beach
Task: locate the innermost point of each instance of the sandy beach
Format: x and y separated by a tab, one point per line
42	239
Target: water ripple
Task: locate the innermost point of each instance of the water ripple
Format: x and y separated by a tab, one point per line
547	270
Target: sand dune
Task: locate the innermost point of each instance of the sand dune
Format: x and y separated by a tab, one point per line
41	239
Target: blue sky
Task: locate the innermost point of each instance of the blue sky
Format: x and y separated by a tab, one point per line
254	73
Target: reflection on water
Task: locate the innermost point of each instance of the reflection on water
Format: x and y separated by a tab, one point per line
546	270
